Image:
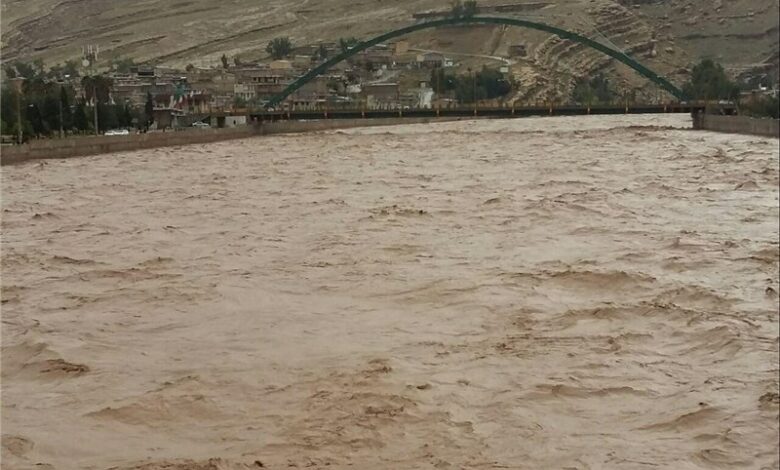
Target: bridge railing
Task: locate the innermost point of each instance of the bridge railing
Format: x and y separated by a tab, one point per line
507	107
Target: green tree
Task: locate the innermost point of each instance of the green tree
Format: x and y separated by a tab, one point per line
80	120
457	9
442	82
224	60
764	106
345	44
322	52
8	100
71	68
463	9
239	102
107	117
26	70
279	47
593	91
33	115
59	71
97	87
67	117
709	82
469	8
148	110
10	71
493	83
50	112
123	65
485	84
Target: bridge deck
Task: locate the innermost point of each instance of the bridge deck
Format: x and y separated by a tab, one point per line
479	111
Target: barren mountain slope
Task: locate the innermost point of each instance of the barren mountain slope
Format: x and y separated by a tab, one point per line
739	33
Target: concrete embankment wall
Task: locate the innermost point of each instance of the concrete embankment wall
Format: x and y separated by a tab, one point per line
737	125
92	145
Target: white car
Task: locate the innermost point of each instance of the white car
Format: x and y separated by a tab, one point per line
117	132
200	125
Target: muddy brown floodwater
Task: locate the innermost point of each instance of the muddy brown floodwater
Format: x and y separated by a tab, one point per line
579	293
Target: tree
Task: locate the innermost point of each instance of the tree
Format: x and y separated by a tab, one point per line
34	117
107	117
279	47
710	82
50	111
345	44
123	65
189	68
593	91
461	9
97	88
67	118
224	60
149	110
10	71
493	83
8	102
469	8
457	9
80	119
484	84
322	52
441	82
38	66
71	68
239	102
23	69
763	106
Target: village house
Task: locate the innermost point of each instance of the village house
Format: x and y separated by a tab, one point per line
302	62
430	60
375	58
381	95
401	47
262	82
518	50
281	64
218	82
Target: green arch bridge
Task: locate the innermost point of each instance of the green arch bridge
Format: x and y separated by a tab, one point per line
562	33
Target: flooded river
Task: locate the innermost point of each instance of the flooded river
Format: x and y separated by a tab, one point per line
580	293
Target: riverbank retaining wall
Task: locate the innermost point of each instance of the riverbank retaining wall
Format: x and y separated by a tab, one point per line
737	125
93	145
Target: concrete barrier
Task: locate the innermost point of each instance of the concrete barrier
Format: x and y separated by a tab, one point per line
93	145
737	125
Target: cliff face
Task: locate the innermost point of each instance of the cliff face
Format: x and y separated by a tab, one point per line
666	34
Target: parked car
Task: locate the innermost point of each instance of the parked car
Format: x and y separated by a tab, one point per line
200	125
117	132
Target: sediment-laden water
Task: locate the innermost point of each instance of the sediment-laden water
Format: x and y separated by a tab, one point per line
584	293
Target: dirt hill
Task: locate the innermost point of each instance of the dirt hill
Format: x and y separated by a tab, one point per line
668	35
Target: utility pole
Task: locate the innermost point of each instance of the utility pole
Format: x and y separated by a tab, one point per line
438	89
62	132
474	81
